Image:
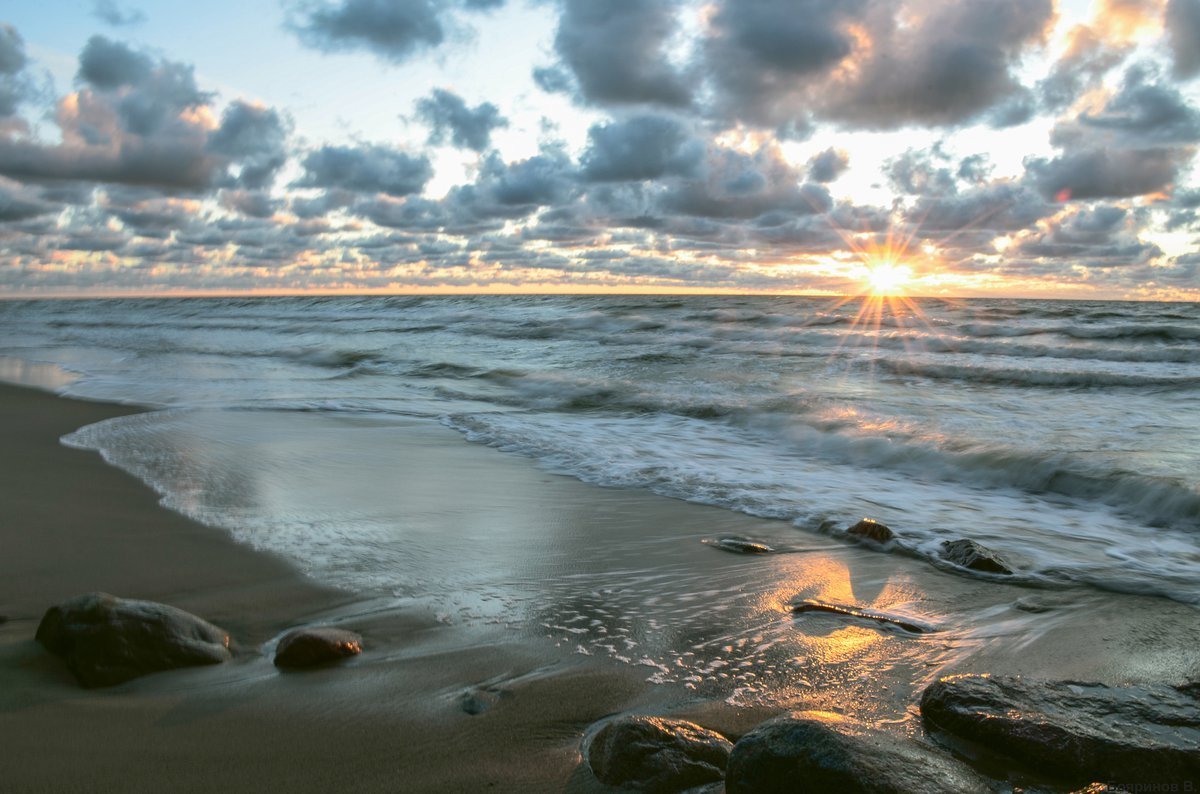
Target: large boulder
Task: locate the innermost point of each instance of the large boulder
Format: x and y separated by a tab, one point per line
657	755
871	529
970	554
1072	731
817	751
319	645
107	640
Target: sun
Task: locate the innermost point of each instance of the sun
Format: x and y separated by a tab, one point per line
887	278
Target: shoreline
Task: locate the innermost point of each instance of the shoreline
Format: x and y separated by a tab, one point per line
394	718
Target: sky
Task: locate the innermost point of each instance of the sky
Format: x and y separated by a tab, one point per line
1007	148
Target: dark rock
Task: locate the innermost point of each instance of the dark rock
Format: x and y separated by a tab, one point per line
310	647
740	545
908	624
1191	688
970	554
476	701
1076	732
657	755
819	751
3	619
871	529
106	640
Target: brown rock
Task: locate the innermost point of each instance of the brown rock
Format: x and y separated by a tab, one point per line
310	647
871	529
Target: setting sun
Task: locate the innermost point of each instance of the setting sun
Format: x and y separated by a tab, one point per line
887	278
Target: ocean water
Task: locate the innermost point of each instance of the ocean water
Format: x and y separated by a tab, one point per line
1064	435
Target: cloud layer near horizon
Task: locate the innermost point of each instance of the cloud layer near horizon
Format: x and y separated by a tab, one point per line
712	160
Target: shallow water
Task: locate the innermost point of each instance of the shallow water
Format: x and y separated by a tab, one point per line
1062	434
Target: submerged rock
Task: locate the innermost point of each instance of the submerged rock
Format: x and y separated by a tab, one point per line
1074	731
740	545
970	554
871	529
107	640
657	755
821	751
310	647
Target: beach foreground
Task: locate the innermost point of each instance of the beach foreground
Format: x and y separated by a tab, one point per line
394	718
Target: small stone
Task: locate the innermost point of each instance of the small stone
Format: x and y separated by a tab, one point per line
740	545
107	640
970	554
871	529
822	751
1077	732
657	755
310	647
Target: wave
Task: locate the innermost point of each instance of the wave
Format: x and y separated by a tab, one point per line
1160	332
1056	379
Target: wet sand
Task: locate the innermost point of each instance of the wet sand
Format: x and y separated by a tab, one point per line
393	719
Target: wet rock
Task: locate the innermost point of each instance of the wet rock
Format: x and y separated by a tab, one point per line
107	640
477	701
311	647
970	554
740	545
908	624
657	755
871	529
1077	732
821	751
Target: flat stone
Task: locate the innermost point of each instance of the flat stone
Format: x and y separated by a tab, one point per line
1077	732
657	755
970	554
107	640
871	529
824	752
315	646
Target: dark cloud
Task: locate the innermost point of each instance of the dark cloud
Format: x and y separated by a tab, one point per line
1141	114
640	148
737	184
1103	236
616	51
553	80
984	211
450	119
1107	172
391	29
255	137
15	85
108	64
255	203
828	165
366	169
109	11
1183	32
947	66
1088	57
18	204
12	50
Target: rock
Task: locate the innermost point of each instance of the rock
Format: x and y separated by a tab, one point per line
1074	731
107	640
657	755
871	529
820	751
908	624
970	554
310	647
739	545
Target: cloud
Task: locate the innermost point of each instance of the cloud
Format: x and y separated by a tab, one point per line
390	29
366	168
109	11
640	148
108	64
1107	173
255	136
616	51
1183	33
828	165
1140	114
18	204
449	118
1102	236
15	85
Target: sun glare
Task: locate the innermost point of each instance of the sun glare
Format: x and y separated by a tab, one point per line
887	278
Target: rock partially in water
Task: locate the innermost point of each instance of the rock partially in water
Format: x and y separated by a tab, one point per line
311	647
970	554
871	529
1077	732
908	624
107	640
740	545
657	755
822	751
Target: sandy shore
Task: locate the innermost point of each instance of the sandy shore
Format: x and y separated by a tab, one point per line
393	719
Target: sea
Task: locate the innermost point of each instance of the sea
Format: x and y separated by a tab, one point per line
1063	435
